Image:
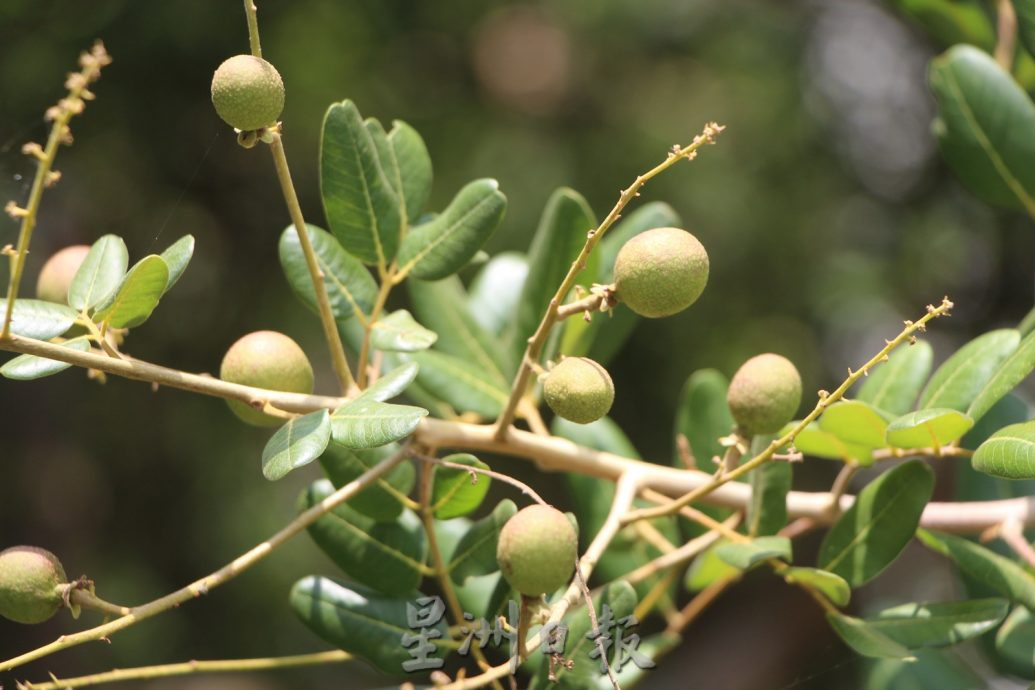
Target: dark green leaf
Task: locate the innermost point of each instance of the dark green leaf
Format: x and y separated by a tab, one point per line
456	492
34	318
950	22
1015	643
388	556
856	423
351	289
461	383
368	423
958	381
942	624
137	295
865	639
413	165
980	110
1008	453
361	205
176	258
361	621
475	552
872	533
1025	10
442	306
932	670
1010	373
445	244
379	500
925	428
400	332
100	273
621	599
391	384
496	289
29	367
832	586
894	385
703	416
296	444
745	555
999	573
561	235
767	512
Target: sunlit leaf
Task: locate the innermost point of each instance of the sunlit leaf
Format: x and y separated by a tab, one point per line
832	586
137	295
1010	373
176	257
958	381
100	273
368	423
400	332
392	384
934	428
29	367
494	293
351	289
460	383
745	555
456	492
475	552
296	444
856	423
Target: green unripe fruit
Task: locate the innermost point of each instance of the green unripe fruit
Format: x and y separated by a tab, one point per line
579	389
537	549
661	272
248	92
764	394
56	275
29	581
266	359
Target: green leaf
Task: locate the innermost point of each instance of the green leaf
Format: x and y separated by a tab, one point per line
391	384
400	332
770	483
442	306
703	416
368	423
815	442
138	294
379	500
413	165
176	258
932	670
388	556
1025	10
459	382
29	367
620	598
296	444
919	625
950	22
856	423
652	647
445	244
457	492
1010	373
351	289
100	273
361	206
999	573
745	555
361	621
980	110
872	533
865	639
832	586
496	289
961	378
561	235
475	553
928	428
708	568
1008	453
894	385
1015	643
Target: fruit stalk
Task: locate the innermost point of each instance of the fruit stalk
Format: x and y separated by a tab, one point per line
538	339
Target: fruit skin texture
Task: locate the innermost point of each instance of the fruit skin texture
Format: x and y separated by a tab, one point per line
29	578
764	394
579	389
56	275
537	549
247	92
266	359
661	272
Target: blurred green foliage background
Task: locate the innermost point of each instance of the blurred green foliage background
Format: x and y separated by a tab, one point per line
826	211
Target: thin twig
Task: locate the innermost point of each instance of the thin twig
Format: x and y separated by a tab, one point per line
221	576
1006	34
525	488
251	13
538	339
191	667
61	114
